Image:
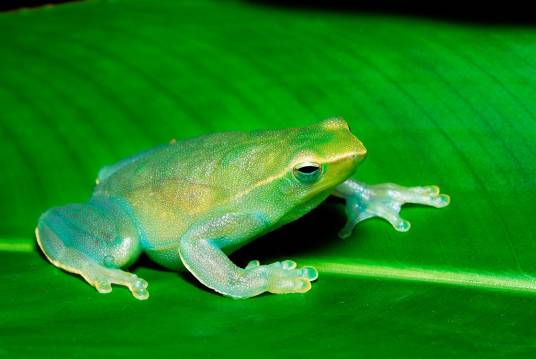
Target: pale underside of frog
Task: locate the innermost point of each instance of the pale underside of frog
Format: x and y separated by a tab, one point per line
190	203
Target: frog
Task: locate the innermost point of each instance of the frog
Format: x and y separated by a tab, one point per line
188	204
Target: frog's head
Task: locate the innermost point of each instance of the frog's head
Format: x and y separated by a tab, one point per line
292	170
325	155
295	167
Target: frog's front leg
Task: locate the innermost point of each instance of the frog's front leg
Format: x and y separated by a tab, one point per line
384	200
200	252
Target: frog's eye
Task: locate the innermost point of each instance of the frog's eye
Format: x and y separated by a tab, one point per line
307	172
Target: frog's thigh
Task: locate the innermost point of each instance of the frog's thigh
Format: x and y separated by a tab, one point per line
92	240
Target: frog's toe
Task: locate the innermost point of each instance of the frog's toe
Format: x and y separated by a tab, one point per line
289	285
140	283
441	200
309	272
284	277
140	293
138	287
348	228
429	190
294	285
103	286
253	264
288	264
103	278
427	195
398	223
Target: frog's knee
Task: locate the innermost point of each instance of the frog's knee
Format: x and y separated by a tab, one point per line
100	229
47	239
53	233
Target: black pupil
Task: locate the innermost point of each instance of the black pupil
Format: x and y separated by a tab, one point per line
308	169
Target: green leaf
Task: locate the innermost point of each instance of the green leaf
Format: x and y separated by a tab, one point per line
86	84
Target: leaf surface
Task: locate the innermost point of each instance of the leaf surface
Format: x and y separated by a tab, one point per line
85	84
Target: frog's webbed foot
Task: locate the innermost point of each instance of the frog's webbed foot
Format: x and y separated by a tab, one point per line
384	200
92	240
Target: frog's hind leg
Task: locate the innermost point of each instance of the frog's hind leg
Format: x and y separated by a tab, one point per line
93	240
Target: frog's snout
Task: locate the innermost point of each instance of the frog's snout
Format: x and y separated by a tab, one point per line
359	152
361	149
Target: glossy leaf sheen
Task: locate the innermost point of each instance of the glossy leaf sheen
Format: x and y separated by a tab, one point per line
86	84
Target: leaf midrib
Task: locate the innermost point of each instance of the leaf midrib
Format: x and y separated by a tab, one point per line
463	278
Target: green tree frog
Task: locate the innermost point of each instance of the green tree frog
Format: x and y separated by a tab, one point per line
190	203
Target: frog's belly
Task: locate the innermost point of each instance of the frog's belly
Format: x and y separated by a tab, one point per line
168	257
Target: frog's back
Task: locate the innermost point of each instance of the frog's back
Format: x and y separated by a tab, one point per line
173	185
207	161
